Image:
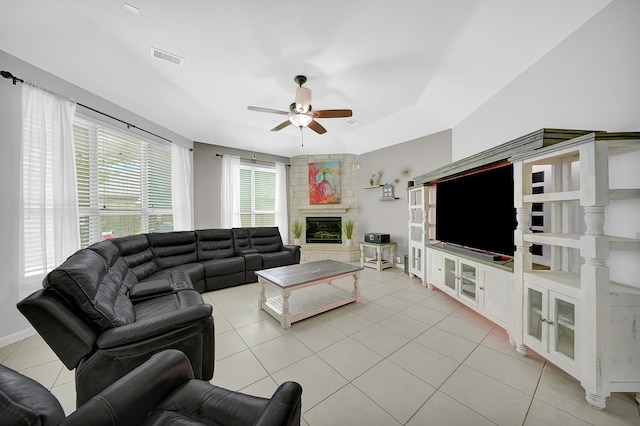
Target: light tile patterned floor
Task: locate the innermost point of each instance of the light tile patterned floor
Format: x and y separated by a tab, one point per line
404	355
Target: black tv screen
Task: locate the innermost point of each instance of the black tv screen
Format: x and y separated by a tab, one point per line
477	210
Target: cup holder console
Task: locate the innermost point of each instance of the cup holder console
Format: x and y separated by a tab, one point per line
180	285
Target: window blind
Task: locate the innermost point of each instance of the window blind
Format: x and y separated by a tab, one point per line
257	196
124	182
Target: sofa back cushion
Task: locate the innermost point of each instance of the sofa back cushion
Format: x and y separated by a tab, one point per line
214	244
265	239
173	248
95	290
241	239
137	254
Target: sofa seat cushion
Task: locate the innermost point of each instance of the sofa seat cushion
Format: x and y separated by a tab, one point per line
166	304
158	316
195	271
279	258
220	267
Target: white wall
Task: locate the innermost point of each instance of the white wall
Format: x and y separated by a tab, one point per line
391	217
13	326
589	81
207	169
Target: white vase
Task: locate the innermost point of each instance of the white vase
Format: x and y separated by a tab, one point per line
349	242
296	241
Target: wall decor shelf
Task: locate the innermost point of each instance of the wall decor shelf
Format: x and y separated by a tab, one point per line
372	187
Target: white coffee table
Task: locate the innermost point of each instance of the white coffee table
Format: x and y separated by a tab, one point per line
306	289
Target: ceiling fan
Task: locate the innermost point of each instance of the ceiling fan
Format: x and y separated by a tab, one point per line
300	112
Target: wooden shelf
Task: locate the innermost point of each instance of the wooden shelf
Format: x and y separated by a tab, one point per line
389	198
372	187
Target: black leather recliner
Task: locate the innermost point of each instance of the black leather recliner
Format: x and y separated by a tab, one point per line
85	314
161	391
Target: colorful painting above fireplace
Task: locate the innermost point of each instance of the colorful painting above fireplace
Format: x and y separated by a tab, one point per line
324	183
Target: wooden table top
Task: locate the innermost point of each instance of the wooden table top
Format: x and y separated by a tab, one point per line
290	275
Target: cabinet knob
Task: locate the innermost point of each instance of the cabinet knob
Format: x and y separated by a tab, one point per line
543	320
550	322
481	288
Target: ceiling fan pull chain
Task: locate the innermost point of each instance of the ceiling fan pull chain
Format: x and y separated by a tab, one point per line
302	136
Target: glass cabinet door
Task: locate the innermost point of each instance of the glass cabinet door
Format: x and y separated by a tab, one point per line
416	258
563	328
468	281
535	317
450	273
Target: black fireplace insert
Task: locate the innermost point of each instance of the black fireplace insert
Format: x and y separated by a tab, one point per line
324	230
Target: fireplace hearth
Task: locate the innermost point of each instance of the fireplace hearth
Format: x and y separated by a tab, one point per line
324	230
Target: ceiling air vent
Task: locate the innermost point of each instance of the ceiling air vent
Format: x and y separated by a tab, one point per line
166	56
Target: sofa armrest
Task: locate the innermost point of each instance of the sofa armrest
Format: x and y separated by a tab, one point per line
130	399
59	325
153	326
294	250
284	407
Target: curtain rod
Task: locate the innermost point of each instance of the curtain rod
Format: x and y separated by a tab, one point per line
7	74
254	160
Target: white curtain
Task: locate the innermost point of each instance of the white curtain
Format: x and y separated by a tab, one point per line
230	192
49	226
181	187
282	216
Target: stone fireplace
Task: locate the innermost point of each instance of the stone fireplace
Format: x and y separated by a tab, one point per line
318	242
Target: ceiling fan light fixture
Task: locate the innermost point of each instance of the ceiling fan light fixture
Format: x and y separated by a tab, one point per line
303	99
300	120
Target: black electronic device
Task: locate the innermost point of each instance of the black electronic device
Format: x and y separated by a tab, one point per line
375	237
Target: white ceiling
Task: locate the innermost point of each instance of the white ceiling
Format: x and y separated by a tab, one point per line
407	68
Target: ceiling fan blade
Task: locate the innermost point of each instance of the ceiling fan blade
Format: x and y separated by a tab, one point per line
316	127
281	126
332	113
272	111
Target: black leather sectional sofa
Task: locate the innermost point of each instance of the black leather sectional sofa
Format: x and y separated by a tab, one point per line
212	258
111	306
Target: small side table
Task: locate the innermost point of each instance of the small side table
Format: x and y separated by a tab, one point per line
378	263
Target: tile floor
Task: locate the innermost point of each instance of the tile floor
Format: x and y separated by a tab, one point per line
404	355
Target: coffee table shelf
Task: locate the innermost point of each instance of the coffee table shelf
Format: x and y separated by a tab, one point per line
307	289
309	301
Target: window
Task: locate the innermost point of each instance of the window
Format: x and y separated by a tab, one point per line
257	196
124	183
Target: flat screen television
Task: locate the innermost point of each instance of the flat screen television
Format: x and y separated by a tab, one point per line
477	210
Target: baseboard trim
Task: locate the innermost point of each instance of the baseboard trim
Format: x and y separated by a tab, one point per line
12	338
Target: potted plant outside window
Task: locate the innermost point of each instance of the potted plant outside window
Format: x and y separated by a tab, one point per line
297	229
348	225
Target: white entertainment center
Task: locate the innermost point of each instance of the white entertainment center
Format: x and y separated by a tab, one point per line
581	311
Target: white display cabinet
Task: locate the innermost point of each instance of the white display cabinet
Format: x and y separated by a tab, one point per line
483	286
589	328
550	325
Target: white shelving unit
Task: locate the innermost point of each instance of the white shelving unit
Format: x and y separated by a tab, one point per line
421	227
417	231
573	313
